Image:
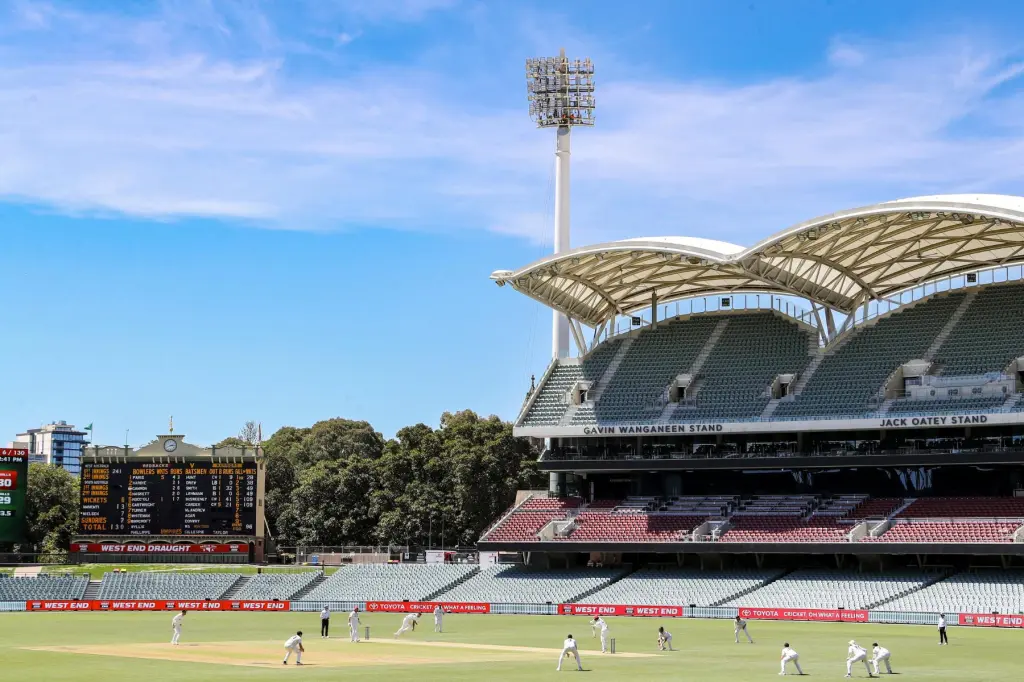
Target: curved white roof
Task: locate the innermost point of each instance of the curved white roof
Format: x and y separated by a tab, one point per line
839	260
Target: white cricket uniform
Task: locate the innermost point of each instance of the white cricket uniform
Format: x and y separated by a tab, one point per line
293	645
569	647
353	626
407	623
603	629
789	655
854	654
881	655
738	625
666	638
438	617
176	628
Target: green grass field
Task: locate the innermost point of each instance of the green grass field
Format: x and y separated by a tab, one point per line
232	646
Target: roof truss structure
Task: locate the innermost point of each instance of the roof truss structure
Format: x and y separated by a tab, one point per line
838	261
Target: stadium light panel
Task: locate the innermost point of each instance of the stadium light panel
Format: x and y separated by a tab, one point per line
560	91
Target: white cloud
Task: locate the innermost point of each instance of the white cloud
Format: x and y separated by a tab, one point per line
168	129
843	54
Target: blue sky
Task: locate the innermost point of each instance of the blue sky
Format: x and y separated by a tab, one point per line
288	211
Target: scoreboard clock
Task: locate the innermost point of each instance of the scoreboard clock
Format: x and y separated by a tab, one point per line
13	481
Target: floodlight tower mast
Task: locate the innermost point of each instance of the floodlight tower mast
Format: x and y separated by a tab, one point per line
561	95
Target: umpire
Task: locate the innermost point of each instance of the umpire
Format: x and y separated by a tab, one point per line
325	622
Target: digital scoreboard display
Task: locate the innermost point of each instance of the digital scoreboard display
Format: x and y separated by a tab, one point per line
161	498
13	482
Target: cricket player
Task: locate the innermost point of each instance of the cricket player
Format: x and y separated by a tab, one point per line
325	622
353	625
294	646
789	655
664	640
942	630
854	654
569	648
740	624
880	655
176	627
408	623
438	617
598	625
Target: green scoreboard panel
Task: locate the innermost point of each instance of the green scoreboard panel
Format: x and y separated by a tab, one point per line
13	482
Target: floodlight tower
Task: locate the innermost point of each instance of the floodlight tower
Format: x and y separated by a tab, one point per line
561	94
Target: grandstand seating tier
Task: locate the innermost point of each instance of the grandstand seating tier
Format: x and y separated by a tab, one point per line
389	582
519	585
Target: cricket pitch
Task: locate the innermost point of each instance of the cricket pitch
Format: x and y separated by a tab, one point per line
325	654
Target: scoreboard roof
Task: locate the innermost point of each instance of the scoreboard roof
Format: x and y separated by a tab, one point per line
840	260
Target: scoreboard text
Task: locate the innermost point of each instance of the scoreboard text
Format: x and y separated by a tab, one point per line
159	498
13	482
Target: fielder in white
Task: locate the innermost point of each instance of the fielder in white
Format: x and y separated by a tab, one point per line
740	624
790	655
600	626
176	627
664	640
408	623
880	655
856	653
353	625
569	648
294	646
438	618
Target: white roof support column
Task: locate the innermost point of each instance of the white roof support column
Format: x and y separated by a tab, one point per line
577	335
821	327
830	323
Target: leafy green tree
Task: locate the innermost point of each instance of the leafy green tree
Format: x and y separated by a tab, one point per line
51	507
340	483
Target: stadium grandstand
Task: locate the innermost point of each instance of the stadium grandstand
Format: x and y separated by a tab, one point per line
846	390
829	419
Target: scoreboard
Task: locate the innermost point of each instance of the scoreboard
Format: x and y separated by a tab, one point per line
168	498
13	483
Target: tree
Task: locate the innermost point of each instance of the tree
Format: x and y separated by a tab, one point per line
250	433
340	483
247	437
51	507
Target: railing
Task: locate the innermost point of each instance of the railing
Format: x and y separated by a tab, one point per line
898	300
625	456
713	304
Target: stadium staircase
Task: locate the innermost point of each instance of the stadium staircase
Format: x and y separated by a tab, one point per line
705	352
609	373
236	587
598	387
437	593
755	588
694	370
92	591
1011	403
583	595
812	367
813	352
940	338
943	575
883	409
308	588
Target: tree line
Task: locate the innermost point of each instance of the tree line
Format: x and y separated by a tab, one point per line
340	482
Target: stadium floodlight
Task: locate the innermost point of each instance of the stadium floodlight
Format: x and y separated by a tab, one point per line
561	95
